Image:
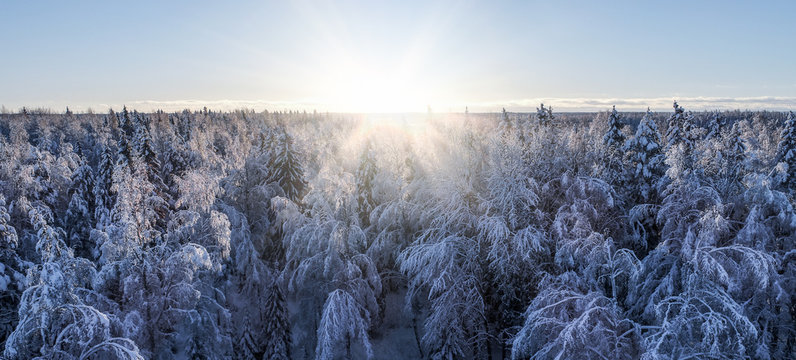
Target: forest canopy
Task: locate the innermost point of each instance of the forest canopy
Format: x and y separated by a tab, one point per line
276	235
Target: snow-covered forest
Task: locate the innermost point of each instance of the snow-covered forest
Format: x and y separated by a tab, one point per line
296	235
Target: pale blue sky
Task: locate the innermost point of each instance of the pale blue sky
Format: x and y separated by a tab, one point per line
375	55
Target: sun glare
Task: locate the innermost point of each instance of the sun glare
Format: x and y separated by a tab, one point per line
357	88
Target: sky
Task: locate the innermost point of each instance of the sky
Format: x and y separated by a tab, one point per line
401	56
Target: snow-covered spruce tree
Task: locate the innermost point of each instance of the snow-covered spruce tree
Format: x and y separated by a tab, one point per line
680	143
79	219
675	132
159	198
733	166
125	122
614	138
286	168
786	155
124	153
133	218
175	164
715	125
613	141
101	192
277	326
142	145
645	158
249	190
12	282
43	178
544	115
248	284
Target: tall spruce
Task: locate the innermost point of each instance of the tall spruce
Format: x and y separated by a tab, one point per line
613	141
79	218
787	151
286	168
645	158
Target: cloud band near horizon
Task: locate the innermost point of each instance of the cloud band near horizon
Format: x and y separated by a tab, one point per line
772	103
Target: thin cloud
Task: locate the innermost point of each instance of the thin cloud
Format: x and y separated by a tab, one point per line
774	103
639	104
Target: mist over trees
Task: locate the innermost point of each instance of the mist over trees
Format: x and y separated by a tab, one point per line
295	235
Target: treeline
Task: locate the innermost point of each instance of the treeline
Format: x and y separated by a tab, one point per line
287	235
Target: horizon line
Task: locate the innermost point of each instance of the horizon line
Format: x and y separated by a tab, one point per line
572	105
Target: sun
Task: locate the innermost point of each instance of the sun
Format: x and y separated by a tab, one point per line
363	89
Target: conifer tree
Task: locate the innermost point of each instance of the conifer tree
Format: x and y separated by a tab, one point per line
544	115
715	125
645	158
734	154
674	131
142	145
79	218
286	168
505	126
103	180
277	327
613	141
614	138
787	151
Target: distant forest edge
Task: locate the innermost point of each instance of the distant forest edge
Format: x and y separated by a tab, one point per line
278	235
